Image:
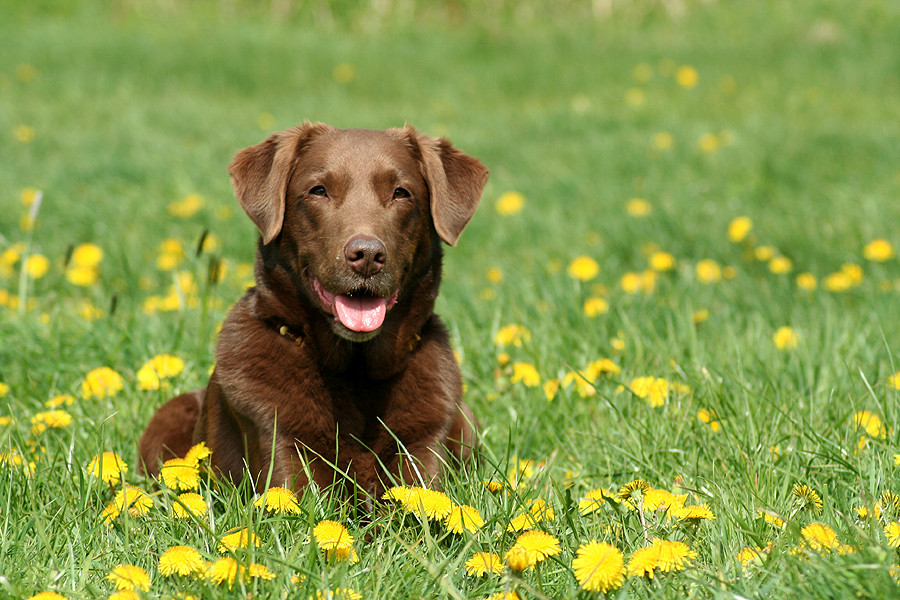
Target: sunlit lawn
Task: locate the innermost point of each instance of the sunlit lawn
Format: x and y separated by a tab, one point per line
676	309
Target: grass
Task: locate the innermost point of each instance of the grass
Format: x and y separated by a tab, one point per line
793	122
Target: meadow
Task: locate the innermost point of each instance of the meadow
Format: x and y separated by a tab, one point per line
676	309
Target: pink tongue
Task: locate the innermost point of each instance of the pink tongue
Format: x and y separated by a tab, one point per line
360	313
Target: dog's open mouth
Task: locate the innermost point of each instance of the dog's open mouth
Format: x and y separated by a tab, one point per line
359	310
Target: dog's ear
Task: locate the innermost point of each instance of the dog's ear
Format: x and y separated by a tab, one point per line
260	175
455	181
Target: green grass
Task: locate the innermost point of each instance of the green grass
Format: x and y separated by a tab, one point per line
135	105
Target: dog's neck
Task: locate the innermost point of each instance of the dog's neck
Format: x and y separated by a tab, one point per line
278	301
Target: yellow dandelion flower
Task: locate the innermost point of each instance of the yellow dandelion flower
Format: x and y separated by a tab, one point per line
592	501
512	335
109	514
583	268
166	365
197	453
551	388
339	594
4	389
879	250
694	513
521	522
708	143
512	595
158	368
518	559
892	532
673	555
430	504
525	373
493	486
482	563
750	555
186	207
134	500
771	518
710	418
347	554
864	513
889	498
51	419
259	571
807	497
595	306
58	400
853	272
107	467
180	474
654	390
189	504
47	596
585	380
764	253
638	207
687	76
837	282
124	595
708	271
101	383
130	577
818	536
662	261
181	560
240	538
739	228
599	567
510	203
663	500
539	545
662	140
37	266
6	421
399	493
494	275
781	265
278	500
871	423
541	511
86	256
785	338
331	535
643	562
806	282
632	489
225	570
464	517
82	276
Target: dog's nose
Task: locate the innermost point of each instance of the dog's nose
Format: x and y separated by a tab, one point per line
365	254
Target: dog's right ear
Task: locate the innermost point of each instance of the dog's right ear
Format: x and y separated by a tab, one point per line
260	175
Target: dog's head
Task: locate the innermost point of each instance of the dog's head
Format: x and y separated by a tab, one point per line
356	213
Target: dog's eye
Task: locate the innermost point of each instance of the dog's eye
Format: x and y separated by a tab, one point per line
319	190
400	193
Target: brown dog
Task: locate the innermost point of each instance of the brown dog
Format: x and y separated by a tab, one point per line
334	365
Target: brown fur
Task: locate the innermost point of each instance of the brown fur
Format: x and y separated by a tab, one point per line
354	212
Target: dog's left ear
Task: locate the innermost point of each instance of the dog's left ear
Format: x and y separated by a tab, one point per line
455	181
260	175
